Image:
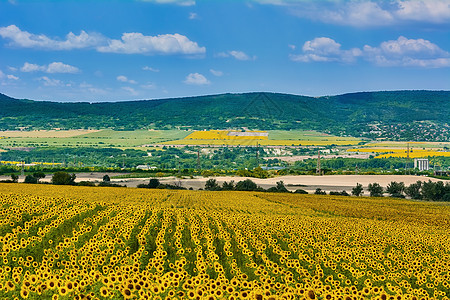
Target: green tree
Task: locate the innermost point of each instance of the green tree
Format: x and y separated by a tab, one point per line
433	191
30	179
154	183
106	178
281	188
14	178
320	192
212	185
396	189
63	178
358	190
260	173
38	175
413	190
300	191
246	185
375	190
228	186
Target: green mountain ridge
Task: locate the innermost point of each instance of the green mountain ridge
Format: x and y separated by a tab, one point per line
408	114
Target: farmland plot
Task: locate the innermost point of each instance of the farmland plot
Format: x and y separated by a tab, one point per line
73	242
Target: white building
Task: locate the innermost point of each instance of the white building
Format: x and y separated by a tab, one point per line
422	164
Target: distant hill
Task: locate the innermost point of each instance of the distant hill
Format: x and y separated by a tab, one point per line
418	115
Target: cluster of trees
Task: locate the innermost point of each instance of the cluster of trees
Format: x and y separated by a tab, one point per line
156	184
35	177
426	190
246	185
62	178
319	191
421	190
257	172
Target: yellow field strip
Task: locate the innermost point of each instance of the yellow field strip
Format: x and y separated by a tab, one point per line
397	152
391	144
5	162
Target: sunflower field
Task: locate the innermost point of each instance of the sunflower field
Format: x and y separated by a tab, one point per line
64	242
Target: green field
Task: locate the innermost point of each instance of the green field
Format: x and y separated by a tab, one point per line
306	135
103	138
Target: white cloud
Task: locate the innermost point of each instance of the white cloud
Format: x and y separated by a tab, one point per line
85	85
216	72
130	90
239	55
401	52
91	89
147	68
12	77
358	14
367	13
25	39
435	11
122	78
14	69
27	67
50	82
130	43
54	67
97	91
196	79
325	49
408	52
59	67
134	42
149	86
177	2
2	74
193	16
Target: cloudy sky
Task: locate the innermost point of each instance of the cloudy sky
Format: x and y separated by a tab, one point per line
149	49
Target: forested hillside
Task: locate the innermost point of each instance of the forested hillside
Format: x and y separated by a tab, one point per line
419	115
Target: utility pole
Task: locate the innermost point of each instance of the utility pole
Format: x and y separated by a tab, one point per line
257	155
318	170
22	172
198	161
407	150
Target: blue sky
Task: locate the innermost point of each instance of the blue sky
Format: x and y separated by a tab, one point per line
124	50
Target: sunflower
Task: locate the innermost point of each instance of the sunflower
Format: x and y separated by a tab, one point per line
127	294
52	283
24	294
311	295
104	292
10	286
63	291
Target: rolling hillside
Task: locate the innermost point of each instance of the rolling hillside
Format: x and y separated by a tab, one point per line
400	115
